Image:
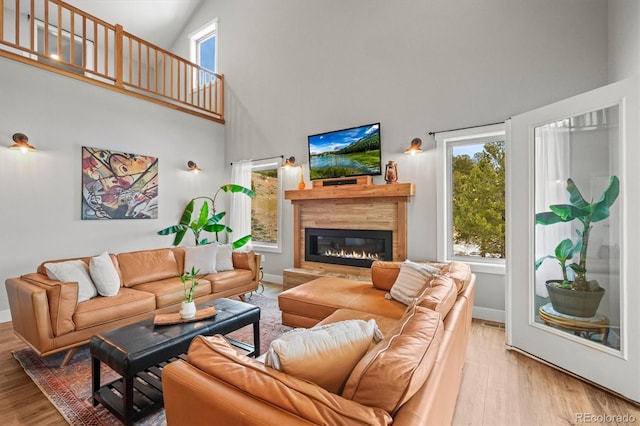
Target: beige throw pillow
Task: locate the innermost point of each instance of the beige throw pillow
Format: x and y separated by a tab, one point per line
324	355
224	258
73	271
411	280
104	275
202	258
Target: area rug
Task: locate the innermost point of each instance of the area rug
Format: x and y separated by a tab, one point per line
69	388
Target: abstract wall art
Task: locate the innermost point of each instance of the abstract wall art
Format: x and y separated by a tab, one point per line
118	185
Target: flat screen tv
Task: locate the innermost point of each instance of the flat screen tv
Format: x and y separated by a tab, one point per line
348	152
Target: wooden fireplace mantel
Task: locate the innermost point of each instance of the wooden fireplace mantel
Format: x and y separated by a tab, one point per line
376	207
404	190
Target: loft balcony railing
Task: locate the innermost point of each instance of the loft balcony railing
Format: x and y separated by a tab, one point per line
53	35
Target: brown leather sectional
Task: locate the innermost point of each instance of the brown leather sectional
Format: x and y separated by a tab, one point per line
47	316
412	377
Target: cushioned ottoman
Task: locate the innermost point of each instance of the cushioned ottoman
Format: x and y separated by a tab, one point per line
309	303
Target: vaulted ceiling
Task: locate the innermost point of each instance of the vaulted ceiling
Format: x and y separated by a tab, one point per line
157	21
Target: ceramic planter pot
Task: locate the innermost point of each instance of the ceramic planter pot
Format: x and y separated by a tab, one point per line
576	303
187	310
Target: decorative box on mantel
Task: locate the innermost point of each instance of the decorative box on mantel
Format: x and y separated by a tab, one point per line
352	207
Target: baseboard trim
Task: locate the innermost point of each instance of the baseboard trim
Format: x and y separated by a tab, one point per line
489	314
277	279
5	316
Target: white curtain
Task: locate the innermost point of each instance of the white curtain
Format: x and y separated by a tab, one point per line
552	169
240	212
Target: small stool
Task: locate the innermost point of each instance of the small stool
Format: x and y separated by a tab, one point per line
585	327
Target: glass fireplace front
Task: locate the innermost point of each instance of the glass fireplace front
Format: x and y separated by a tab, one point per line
353	247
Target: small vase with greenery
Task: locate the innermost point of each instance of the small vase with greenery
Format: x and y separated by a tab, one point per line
208	219
189	282
586	213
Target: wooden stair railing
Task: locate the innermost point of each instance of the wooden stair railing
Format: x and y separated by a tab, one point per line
58	37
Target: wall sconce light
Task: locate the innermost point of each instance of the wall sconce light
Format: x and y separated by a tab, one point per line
289	162
193	167
21	142
416	143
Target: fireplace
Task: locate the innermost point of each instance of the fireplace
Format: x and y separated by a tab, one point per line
353	247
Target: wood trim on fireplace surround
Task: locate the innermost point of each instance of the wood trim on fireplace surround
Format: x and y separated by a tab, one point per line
378	207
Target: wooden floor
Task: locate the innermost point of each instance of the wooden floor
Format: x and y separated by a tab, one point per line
21	402
502	387
499	387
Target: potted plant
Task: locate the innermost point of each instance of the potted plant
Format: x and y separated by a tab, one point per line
208	219
576	295
189	282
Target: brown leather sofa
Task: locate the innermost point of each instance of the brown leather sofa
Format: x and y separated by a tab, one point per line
46	315
415	383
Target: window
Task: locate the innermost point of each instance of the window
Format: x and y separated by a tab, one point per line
60	59
471	196
266	207
204	49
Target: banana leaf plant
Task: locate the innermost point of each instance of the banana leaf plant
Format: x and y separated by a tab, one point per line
586	213
562	254
208	219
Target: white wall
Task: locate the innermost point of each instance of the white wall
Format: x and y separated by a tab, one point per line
624	39
295	68
40	193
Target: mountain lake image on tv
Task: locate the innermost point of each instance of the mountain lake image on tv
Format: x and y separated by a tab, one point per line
348	152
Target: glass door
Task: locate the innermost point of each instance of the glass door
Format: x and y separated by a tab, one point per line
573	238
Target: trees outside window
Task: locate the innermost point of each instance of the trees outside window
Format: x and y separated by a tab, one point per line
478	200
471	197
266	207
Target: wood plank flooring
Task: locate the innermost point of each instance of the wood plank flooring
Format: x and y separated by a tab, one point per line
499	387
21	402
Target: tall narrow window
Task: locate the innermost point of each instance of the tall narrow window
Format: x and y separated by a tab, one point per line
204	49
471	193
207	52
266	207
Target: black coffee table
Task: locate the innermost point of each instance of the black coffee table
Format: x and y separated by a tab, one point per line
139	351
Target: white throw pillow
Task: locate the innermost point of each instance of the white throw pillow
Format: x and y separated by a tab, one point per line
224	260
411	279
202	258
324	355
73	271
104	275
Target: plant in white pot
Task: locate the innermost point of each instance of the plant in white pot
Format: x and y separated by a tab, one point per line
576	295
189	281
